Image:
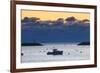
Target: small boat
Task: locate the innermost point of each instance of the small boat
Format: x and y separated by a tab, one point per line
55	52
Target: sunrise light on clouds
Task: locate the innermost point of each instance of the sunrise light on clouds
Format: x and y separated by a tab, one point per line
53	15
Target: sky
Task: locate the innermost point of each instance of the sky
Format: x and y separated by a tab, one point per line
54	15
48	34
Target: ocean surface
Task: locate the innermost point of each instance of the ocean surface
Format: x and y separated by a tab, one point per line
71	52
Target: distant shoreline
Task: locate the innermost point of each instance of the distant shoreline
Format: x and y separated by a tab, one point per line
31	44
41	44
84	43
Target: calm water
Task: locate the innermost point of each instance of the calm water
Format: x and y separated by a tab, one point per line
70	52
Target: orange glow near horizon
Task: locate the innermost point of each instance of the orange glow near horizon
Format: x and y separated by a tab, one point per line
54	15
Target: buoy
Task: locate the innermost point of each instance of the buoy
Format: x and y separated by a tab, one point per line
22	54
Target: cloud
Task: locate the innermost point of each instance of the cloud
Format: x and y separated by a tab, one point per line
73	21
70	19
32	19
35	22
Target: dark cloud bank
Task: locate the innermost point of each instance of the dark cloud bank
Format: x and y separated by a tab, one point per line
67	30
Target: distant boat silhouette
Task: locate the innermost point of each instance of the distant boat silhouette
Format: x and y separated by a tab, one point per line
32	44
84	43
